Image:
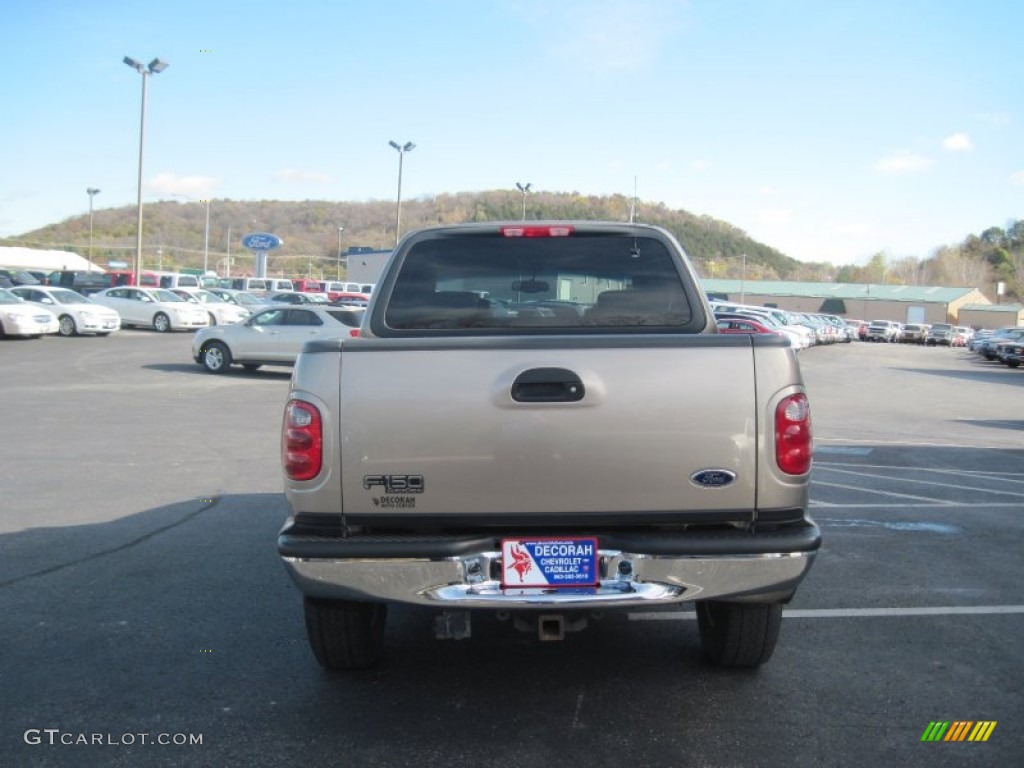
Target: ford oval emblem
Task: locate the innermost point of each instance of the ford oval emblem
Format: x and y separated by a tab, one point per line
261	241
713	478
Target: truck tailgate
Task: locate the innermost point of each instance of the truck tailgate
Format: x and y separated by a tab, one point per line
666	429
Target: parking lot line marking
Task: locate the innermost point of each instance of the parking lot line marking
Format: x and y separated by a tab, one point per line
921	505
843	449
936	502
851	613
1016	494
887	441
890	525
1006	477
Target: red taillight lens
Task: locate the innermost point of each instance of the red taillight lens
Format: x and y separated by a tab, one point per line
301	441
545	231
793	447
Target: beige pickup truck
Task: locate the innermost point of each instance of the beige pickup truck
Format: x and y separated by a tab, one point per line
541	419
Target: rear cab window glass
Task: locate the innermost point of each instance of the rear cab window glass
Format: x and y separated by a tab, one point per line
585	283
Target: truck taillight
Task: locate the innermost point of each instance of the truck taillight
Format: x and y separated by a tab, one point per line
301	441
793	435
537	231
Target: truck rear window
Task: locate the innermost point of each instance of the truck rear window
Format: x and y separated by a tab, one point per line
558	284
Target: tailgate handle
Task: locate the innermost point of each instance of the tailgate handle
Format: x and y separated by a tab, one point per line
547	385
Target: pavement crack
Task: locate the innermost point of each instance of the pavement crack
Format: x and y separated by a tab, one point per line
209	504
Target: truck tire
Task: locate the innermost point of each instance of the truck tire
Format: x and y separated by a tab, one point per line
345	634
738	634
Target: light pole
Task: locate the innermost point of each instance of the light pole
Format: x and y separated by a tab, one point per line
92	192
743	281
524	190
227	270
155	67
206	236
206	240
401	149
340	230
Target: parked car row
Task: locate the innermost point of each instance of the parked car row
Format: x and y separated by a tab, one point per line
76	314
332	290
56	309
88	282
893	332
802	329
1005	345
20	318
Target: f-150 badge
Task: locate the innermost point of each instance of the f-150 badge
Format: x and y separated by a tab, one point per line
394	483
713	478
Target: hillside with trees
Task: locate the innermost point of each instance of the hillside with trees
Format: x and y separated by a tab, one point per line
174	231
174	234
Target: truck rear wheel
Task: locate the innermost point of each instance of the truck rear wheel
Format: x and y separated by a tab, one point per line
738	634
345	634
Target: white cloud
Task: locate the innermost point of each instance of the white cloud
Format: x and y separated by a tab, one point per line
168	183
903	162
995	118
1017	179
775	216
294	175
769	191
850	228
958	142
606	36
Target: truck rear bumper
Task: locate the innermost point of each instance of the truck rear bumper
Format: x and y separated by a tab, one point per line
470	579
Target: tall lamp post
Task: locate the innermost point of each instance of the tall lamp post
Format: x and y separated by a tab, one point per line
92	192
401	149
525	190
156	66
206	236
340	230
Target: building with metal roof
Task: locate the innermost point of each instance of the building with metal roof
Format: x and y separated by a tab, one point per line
860	301
991	315
46	260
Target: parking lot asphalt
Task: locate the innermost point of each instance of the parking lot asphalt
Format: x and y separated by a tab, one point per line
142	600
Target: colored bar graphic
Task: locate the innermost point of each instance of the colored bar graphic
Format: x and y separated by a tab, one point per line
958	730
935	731
982	730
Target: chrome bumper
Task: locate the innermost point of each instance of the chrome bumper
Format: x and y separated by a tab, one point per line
627	579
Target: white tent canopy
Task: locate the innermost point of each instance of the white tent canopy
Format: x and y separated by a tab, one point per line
33	258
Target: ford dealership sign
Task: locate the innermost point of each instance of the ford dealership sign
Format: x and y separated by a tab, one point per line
261	241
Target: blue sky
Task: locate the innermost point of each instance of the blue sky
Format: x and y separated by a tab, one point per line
828	130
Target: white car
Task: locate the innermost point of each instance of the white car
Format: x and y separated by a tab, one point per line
297	297
250	301
76	314
272	336
221	312
157	308
19	318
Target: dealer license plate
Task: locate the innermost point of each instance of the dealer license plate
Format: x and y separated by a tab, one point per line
551	562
